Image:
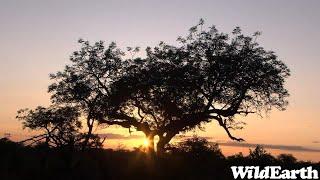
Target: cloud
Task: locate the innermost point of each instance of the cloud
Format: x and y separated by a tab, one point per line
190	136
119	136
315	142
270	146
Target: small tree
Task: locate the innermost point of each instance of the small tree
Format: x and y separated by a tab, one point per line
60	126
260	156
287	159
197	147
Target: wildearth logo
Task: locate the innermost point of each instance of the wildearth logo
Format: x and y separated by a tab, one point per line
273	172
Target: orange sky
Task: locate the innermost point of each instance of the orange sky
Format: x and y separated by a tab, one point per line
37	39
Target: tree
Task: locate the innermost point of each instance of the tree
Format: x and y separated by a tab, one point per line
260	156
60	127
208	76
287	159
84	84
197	147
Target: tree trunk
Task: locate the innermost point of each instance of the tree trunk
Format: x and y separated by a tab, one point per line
163	141
89	133
160	147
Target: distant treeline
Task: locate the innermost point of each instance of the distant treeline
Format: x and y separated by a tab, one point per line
193	158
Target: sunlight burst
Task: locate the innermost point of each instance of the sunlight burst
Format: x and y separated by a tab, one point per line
146	142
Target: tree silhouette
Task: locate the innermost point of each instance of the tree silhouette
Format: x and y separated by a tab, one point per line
85	83
196	147
60	127
208	76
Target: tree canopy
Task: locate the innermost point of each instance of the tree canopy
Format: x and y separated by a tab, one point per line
58	126
208	76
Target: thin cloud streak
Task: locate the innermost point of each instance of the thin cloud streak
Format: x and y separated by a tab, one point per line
252	145
188	136
270	146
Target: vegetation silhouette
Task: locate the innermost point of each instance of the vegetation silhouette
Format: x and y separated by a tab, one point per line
209	76
174	89
193	158
60	127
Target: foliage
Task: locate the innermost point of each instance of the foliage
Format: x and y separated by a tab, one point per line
209	76
59	127
260	156
196	147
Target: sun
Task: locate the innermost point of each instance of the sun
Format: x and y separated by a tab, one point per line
146	143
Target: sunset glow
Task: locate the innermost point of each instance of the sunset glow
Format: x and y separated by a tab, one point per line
38	38
146	143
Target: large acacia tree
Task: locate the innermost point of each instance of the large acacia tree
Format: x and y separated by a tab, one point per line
209	76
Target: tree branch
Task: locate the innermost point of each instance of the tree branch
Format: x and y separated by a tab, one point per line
126	122
224	125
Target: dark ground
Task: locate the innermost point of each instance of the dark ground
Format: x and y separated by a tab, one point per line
22	162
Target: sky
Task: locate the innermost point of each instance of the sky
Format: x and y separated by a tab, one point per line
37	38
